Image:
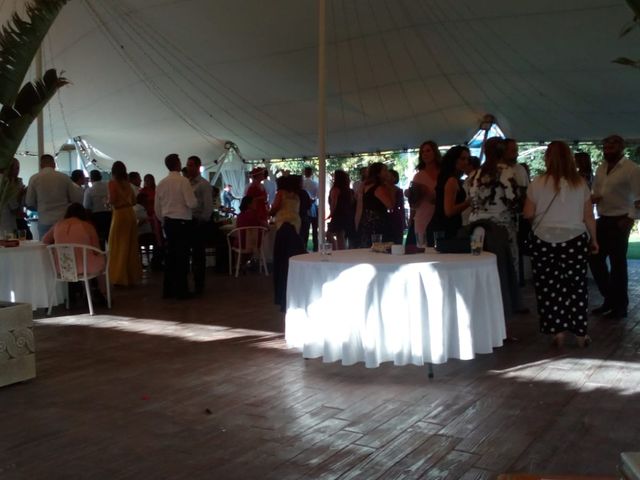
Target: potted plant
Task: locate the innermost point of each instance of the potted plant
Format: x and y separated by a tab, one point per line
20	39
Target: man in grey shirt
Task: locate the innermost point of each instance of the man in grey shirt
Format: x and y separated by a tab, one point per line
201	217
49	193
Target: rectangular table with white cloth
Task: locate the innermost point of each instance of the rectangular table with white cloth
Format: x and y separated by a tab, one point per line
362	306
26	275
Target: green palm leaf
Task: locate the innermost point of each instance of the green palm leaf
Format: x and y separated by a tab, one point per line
635	6
19	42
15	120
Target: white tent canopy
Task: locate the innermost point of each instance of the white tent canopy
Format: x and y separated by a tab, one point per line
151	77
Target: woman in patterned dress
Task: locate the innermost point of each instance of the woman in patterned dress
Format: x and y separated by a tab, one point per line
493	191
559	206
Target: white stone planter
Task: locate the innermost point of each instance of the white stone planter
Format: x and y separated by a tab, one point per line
17	346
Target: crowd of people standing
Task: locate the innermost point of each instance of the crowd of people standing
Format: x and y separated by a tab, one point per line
550	219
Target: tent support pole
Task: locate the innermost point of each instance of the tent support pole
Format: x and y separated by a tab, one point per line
322	119
40	119
221	159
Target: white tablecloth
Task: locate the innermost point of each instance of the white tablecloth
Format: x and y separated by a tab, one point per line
374	307
26	275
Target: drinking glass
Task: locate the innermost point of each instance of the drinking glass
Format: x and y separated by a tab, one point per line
421	239
325	250
477	240
476	246
22	235
376	238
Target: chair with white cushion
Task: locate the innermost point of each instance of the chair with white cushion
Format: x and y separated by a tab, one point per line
65	266
247	241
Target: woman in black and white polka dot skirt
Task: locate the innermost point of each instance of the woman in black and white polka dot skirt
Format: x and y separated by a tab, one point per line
560	209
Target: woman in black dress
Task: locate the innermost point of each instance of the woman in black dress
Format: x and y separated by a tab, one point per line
341	205
377	199
451	198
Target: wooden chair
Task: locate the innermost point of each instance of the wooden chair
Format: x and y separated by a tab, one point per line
64	263
247	241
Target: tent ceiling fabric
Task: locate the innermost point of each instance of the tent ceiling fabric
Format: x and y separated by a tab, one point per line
152	77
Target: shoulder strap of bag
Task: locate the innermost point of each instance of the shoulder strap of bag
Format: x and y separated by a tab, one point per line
534	227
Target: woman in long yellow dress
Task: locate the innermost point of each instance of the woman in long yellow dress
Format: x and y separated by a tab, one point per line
125	267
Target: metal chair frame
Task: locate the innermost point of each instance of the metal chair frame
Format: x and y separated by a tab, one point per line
72	275
247	244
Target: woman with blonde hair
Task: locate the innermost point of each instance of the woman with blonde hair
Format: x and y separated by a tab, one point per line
559	207
125	267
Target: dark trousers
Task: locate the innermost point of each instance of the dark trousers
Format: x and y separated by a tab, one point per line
198	259
102	222
613	238
287	244
176	267
496	241
304	232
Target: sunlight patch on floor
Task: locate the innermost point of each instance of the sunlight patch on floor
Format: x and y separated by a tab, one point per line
192	332
570	371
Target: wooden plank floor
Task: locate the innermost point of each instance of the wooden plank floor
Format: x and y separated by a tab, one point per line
207	389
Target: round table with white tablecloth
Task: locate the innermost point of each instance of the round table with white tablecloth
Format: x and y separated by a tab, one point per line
26	275
357	305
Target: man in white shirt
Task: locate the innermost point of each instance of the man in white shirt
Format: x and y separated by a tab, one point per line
174	201
615	189
511	158
311	187
96	201
78	179
49	193
201	220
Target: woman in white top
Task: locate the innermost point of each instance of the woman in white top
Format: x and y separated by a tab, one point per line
559	207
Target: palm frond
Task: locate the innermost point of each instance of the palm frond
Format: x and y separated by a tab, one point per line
19	42
633	24
635	6
627	62
16	119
